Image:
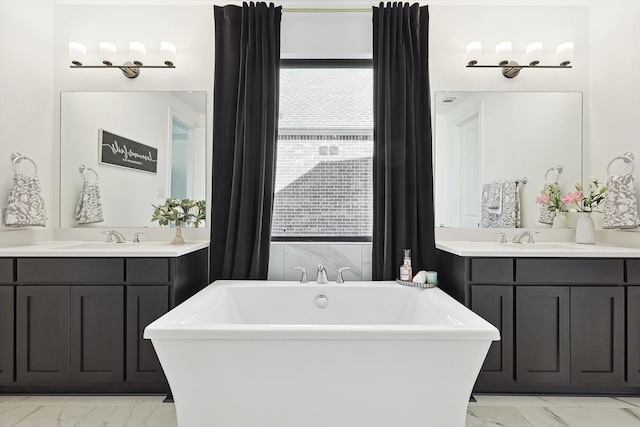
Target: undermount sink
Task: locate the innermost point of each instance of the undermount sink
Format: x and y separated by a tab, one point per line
101	246
533	246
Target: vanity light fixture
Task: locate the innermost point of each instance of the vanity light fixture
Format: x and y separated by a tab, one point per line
131	68
510	68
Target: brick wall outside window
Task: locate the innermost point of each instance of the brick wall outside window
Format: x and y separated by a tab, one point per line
324	172
321	194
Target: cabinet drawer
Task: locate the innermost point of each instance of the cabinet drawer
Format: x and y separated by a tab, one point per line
492	270
148	270
583	271
633	271
70	270
6	270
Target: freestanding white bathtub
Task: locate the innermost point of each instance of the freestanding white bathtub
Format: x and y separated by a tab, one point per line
268	354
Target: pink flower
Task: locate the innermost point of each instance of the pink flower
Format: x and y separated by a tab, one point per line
572	197
543	198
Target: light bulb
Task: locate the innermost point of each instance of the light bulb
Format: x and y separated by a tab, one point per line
503	53
474	49
534	53
564	53
77	53
107	53
137	52
168	53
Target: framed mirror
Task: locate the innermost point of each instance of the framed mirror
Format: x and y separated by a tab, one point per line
138	147
482	137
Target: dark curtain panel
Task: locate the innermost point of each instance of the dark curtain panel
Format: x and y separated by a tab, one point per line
402	166
245	114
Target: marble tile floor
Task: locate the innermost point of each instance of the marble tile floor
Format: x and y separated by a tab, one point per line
149	411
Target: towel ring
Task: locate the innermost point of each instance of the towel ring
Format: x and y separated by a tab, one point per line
557	170
84	169
17	158
626	157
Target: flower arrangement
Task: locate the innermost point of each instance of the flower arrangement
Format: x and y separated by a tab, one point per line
179	212
196	209
551	198
587	203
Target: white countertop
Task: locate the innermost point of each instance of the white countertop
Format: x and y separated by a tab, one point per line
101	249
538	250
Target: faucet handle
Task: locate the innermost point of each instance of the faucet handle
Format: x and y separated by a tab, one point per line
136	239
109	234
303	279
339	279
531	233
503	236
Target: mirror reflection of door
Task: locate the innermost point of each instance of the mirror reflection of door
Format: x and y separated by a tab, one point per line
470	171
182	153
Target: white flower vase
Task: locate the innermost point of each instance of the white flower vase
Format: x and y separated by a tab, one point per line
560	220
585	229
178	240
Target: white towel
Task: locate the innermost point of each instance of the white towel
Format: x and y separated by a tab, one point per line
89	207
25	206
620	203
508	214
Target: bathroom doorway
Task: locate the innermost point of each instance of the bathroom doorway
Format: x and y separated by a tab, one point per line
181	159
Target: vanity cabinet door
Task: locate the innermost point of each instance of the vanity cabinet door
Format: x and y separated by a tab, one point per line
495	305
42	334
633	335
97	343
145	304
6	333
542	328
597	334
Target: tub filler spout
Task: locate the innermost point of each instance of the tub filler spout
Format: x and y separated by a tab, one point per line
322	274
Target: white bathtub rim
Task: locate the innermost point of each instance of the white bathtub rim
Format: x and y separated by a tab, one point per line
167	328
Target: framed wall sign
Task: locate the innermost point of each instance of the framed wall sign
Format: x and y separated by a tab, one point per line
119	151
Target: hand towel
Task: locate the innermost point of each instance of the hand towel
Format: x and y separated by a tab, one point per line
89	207
620	203
546	216
508	215
492	194
25	206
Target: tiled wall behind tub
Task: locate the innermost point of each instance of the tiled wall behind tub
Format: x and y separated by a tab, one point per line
287	255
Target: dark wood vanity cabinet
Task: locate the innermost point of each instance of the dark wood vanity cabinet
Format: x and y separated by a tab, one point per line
633	334
79	321
542	334
495	304
69	334
6	332
568	325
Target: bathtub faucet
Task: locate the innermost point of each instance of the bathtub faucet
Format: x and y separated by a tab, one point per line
322	274
303	278
340	279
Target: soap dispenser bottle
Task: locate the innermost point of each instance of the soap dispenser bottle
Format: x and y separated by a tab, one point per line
406	274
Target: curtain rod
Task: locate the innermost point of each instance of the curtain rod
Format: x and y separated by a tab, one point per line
324	10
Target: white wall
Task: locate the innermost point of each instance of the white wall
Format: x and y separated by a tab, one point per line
27	110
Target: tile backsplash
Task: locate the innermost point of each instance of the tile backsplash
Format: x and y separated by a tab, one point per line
287	255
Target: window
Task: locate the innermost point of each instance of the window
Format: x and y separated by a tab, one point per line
323	187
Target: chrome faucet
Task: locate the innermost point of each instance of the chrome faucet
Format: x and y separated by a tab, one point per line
113	234
303	278
322	274
518	237
339	279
